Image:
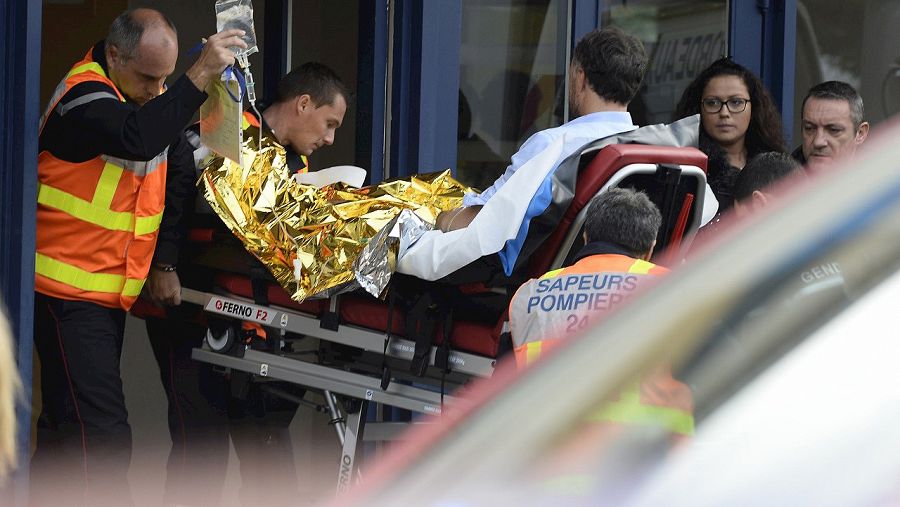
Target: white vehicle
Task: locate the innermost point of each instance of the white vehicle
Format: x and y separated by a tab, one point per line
796	385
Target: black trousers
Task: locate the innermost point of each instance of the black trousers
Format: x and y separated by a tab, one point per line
203	416
196	413
83	437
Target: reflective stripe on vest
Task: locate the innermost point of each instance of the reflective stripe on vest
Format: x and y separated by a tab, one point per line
86	281
629	409
86	67
85	70
124	198
96	211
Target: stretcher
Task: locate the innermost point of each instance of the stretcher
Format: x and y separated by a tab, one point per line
353	347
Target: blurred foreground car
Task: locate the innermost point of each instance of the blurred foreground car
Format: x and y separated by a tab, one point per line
785	329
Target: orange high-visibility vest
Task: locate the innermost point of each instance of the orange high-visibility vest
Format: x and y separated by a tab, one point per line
98	220
564	301
250	120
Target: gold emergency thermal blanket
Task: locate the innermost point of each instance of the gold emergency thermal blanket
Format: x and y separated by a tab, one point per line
310	238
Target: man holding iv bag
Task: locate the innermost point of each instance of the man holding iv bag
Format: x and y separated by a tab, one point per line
111	154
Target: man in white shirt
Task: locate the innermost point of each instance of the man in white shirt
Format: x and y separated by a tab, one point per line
607	68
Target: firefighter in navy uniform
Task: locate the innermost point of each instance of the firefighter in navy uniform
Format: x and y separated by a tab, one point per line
204	409
111	155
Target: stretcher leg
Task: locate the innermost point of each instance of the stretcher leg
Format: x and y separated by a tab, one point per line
337	418
354	428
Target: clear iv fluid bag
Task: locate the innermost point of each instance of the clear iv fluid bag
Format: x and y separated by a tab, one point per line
237	14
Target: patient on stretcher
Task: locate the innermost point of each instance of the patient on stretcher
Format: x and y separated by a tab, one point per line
260	204
606	71
310	239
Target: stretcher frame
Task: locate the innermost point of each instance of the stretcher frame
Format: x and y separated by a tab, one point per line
329	380
333	381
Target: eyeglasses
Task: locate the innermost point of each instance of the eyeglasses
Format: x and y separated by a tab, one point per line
735	105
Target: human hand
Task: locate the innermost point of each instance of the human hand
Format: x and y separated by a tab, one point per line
458	218
163	288
215	56
442	220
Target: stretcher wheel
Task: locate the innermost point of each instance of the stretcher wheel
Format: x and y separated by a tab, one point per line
222	342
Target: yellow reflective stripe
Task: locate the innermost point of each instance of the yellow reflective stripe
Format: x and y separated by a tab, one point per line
107	185
551	274
92	67
99	216
146	225
628	412
532	352
85	280
641	267
133	287
83	210
88	67
245	124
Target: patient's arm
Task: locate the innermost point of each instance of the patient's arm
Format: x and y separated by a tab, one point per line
456	218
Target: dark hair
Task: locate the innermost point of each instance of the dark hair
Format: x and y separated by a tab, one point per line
614	63
765	132
316	80
126	30
839	90
761	171
625	217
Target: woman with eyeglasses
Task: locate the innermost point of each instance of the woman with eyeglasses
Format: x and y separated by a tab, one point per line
738	119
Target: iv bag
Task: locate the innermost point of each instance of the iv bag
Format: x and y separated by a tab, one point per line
220	118
237	14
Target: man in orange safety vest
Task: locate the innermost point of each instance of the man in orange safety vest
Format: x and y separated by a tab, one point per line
111	148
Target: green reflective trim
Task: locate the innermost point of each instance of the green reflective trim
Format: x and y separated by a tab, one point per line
107	185
146	225
85	280
641	267
83	210
97	215
532	352
672	419
133	287
551	274
94	67
87	67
